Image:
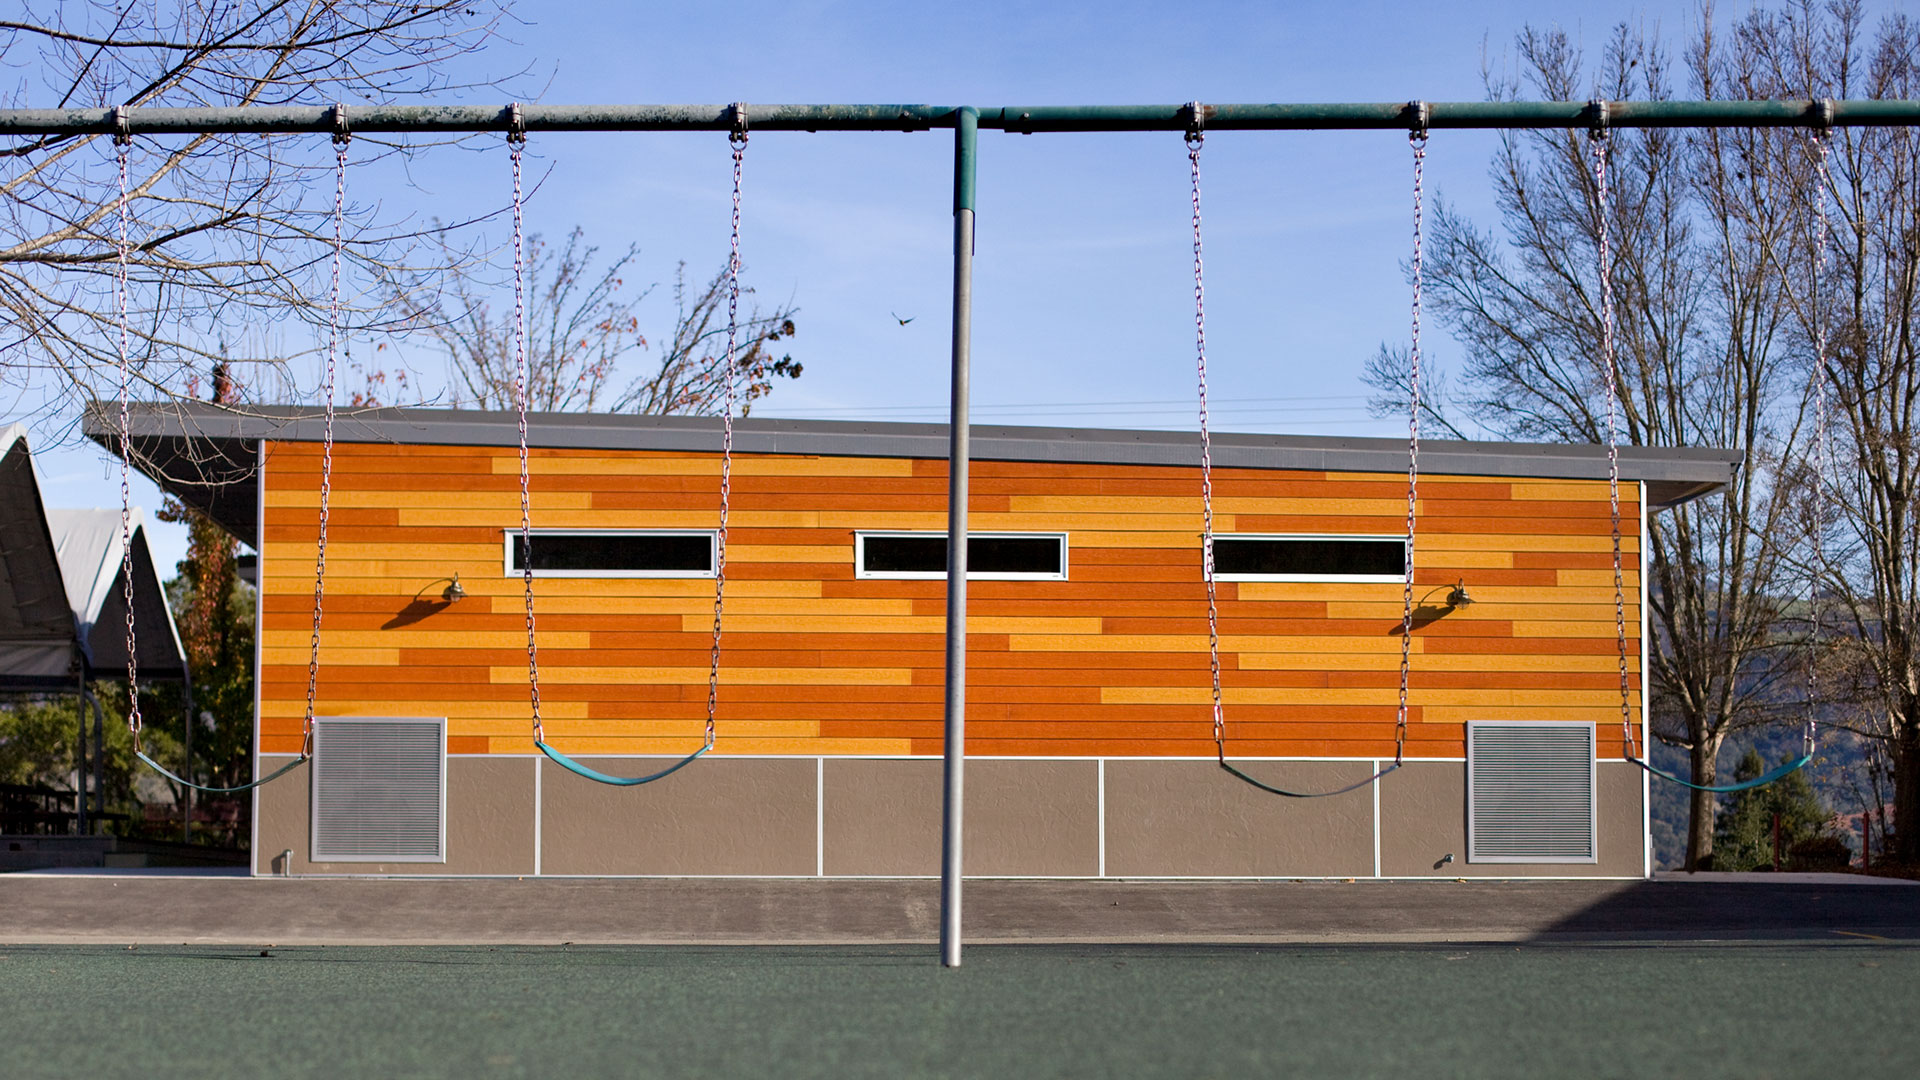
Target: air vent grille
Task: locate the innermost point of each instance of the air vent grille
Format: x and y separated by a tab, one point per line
1530	792
379	789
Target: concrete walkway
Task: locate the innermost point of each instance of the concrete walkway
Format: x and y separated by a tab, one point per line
158	909
1762	877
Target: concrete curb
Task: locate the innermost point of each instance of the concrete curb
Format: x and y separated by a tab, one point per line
108	909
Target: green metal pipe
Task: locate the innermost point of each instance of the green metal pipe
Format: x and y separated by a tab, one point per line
1451	114
444	119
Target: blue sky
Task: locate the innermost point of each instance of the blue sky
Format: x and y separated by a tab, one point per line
1083	310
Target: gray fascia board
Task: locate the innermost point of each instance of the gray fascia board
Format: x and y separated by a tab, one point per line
1674	473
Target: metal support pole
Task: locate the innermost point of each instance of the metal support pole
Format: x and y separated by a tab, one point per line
186	763
80	763
99	761
965	138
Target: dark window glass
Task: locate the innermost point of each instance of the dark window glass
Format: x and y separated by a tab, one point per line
985	554
905	554
1335	557
1013	554
658	552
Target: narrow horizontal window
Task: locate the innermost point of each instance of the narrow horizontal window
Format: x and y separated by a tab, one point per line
1310	558
989	555
613	553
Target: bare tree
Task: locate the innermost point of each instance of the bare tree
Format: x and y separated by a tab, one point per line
581	323
692	366
229	233
1871	303
1700	361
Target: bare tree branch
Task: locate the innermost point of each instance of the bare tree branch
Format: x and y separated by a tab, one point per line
582	323
229	234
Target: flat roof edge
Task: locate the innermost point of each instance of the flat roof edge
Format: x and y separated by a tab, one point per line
1689	467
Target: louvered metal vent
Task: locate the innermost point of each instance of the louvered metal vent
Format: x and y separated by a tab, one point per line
1530	792
379	789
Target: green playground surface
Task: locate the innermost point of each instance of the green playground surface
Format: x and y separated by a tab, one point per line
1840	1007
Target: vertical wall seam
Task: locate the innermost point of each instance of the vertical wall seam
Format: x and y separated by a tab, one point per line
1376	821
1100	812
820	817
259	622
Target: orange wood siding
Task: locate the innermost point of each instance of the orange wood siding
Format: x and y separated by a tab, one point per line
1111	662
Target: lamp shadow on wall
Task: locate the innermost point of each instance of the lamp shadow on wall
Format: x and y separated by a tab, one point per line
1426	614
424	604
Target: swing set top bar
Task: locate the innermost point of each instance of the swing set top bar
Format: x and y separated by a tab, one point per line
1018	119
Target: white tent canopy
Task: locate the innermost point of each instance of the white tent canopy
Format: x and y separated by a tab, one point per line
63	609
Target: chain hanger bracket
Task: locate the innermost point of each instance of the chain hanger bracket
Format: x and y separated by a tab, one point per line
737	134
1419	116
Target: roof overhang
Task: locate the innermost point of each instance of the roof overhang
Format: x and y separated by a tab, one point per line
206	455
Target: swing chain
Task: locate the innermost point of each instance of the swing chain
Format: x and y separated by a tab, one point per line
1823	147
1195	139
122	143
341	138
1601	150
1196	125
1417	139
522	390
737	140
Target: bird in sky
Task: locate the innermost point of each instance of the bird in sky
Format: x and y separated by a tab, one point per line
902	321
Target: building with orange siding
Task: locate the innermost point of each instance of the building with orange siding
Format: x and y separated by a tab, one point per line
1090	735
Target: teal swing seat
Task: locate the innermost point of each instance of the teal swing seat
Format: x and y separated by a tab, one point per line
599	777
1777	772
1283	792
184	782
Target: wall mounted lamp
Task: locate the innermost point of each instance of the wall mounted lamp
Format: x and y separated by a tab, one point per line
454	590
1457	596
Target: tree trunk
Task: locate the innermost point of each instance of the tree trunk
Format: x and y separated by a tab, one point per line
1906	786
1702	805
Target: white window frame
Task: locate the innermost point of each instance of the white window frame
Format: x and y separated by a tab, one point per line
1405	541
713	553
860	556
